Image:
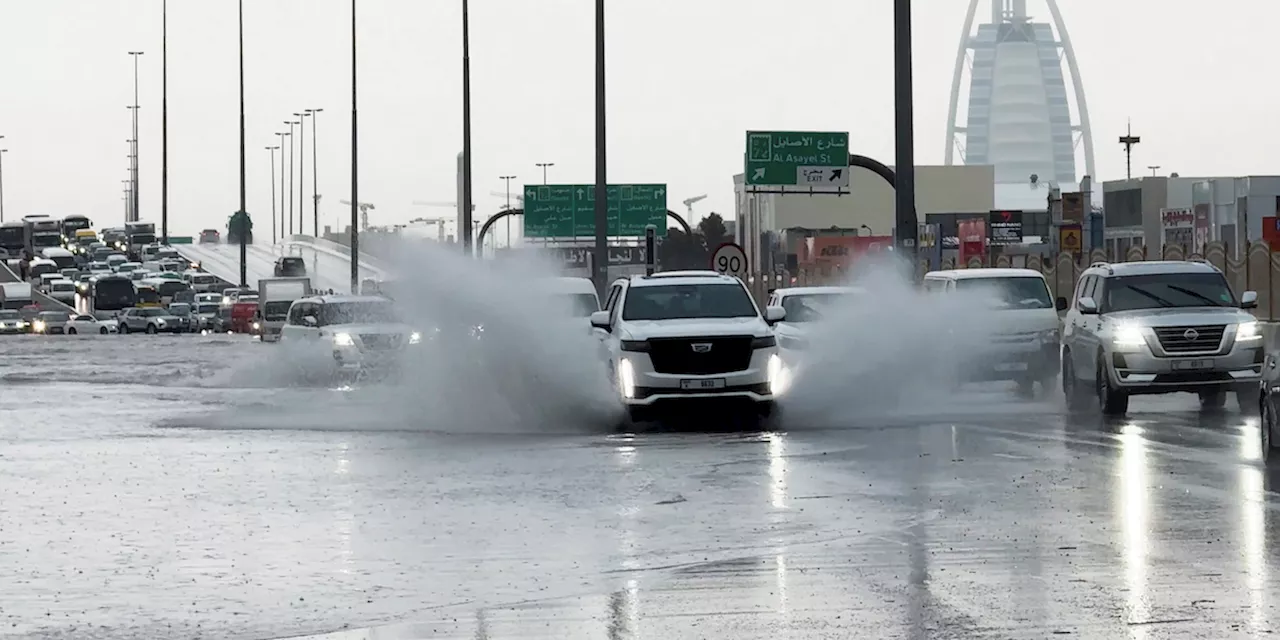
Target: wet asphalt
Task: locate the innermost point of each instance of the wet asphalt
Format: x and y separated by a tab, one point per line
144	495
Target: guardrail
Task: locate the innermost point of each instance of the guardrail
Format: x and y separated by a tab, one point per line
342	249
46	303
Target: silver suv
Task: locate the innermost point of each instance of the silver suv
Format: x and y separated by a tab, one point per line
1159	327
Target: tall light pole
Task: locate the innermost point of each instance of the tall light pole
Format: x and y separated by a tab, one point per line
243	213
355	192
302	166
601	270
905	223
133	172
465	231
284	137
272	151
543	166
164	122
2	152
315	177
290	187
508	180
135	107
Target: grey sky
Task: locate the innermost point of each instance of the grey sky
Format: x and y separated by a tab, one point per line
687	78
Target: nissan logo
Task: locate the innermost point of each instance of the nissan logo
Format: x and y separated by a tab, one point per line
701	347
1190	334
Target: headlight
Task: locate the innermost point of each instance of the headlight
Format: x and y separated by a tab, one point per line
1247	331
160	321
626	379
343	340
38	325
257	326
779	377
1129	336
415	338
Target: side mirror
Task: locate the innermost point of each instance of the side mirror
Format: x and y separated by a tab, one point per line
310	321
1060	304
1249	300
600	320
1087	305
774	315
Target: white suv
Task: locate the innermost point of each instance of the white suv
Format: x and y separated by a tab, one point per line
355	333
690	337
1159	327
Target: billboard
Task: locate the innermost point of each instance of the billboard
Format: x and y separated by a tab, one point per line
842	250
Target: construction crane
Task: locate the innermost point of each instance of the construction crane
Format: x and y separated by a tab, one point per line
517	198
688	206
364	213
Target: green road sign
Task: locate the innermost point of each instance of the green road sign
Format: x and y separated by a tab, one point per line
568	210
180	239
797	158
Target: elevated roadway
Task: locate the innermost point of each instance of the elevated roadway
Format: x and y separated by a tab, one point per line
328	268
45	302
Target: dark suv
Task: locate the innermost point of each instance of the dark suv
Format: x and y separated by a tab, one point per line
290	267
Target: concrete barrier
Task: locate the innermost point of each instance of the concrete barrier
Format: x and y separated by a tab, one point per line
45	302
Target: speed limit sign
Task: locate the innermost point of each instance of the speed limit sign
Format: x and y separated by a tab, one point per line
730	260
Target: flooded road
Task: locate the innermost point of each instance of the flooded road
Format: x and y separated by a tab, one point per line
176	487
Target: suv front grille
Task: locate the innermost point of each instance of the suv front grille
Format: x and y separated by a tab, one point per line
1191	339
677	355
380	340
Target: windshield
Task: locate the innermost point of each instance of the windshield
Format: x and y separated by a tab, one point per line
208	307
1026	292
6	314
276	309
151	312
12	236
170	288
148	295
1164	290
356	313
54	316
63	286
674	301
180	309
807	307
582	305
142	238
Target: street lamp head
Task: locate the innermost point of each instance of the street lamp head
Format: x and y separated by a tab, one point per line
311	111
136	53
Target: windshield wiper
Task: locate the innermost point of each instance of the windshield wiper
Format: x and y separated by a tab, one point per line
1193	294
1161	301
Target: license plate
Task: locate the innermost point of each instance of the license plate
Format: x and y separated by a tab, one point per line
699	385
1012	366
1192	365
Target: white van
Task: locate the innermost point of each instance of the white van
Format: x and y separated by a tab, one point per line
1024	329
579	294
202	282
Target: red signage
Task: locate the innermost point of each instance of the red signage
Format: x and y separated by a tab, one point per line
843	250
1270	231
972	234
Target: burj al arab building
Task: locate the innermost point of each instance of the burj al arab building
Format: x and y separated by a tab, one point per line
1010	104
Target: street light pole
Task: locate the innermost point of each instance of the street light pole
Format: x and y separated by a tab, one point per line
2	152
508	179
905	222
164	122
302	166
136	146
243	214
315	177
355	156
290	187
272	150
601	270
543	166
283	136
133	175
465	231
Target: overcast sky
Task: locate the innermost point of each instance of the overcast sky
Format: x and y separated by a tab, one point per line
686	79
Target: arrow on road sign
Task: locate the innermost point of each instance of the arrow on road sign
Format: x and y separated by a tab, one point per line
835	175
759	174
579	193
